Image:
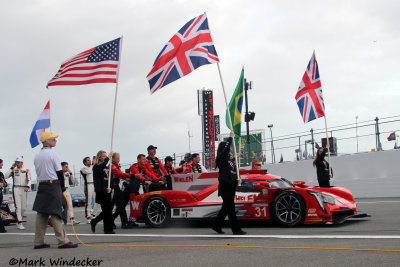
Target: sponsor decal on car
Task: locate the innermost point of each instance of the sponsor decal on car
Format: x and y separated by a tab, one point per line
186	179
260	205
245	197
135	205
311	212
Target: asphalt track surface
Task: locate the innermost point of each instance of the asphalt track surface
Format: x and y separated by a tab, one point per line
372	241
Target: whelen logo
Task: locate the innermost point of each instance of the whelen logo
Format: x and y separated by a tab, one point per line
186	179
135	205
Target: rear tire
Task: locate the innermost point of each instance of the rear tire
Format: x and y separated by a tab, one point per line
157	212
288	209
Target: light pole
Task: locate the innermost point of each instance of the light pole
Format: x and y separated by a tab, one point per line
249	116
357	131
272	144
305	147
190	151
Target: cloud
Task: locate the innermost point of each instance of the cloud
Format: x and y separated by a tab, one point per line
356	46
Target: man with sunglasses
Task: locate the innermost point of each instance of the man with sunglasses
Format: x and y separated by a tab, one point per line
256	165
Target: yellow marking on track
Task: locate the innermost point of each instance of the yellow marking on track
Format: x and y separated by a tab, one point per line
219	246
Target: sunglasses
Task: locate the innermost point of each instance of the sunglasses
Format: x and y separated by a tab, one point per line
259	164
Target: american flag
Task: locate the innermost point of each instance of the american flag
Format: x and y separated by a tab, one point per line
96	65
190	48
309	95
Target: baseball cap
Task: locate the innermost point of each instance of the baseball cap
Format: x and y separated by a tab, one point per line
47	135
168	158
19	159
151	147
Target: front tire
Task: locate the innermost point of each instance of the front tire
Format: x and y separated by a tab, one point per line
157	212
288	209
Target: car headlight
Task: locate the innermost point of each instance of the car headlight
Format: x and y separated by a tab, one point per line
319	199
328	199
322	199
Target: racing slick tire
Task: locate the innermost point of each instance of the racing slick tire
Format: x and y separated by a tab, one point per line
288	209
157	212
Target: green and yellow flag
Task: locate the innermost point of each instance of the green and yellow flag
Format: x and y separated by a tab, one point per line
235	107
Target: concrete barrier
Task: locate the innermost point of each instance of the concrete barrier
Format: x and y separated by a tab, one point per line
372	174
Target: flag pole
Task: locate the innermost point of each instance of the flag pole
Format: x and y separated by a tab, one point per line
329	151
327	137
227	109
230	122
115	107
239	149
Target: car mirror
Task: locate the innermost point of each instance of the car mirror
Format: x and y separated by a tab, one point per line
299	183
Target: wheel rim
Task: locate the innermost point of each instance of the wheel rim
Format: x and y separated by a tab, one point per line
157	211
288	209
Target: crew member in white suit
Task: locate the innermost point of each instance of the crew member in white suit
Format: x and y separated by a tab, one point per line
87	173
21	183
69	180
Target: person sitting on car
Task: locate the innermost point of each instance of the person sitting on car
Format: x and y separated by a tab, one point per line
255	165
170	169
195	166
150	181
155	163
184	163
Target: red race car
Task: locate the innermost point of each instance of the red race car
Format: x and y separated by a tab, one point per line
261	196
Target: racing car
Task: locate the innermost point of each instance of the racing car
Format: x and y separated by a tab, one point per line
261	196
6	214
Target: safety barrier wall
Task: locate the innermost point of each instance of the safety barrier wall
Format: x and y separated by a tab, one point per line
372	174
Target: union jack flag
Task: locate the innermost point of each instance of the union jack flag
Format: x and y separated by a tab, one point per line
190	48
309	95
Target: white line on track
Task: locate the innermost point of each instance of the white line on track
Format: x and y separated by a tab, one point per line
375	202
230	236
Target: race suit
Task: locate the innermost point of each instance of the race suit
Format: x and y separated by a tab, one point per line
91	205
21	181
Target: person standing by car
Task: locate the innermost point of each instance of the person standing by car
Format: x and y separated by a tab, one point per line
69	180
121	198
48	201
103	191
322	166
21	183
87	173
228	181
3	184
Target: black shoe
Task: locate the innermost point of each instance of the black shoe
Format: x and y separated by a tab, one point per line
44	245
109	233
133	224
241	232
218	230
127	226
68	245
93	226
3	231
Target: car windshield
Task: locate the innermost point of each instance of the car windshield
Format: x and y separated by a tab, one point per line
247	185
277	183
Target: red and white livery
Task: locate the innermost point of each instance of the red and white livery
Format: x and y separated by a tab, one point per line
261	196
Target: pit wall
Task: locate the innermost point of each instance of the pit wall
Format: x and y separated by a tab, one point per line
372	174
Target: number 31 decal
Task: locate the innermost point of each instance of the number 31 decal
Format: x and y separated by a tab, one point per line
260	212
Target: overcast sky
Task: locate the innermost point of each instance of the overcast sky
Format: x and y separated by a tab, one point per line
356	44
